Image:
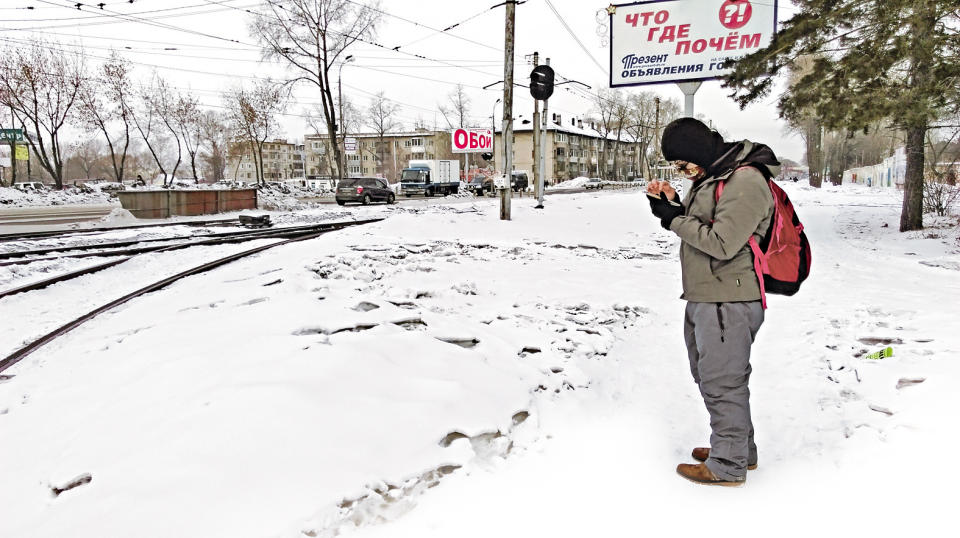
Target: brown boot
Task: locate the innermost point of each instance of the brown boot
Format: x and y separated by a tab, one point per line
702	453
701	474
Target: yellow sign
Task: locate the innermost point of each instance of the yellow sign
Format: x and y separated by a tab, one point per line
23	154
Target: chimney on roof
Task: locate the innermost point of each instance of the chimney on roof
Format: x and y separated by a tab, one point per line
580	124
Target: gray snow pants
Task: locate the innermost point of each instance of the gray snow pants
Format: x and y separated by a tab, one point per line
718	338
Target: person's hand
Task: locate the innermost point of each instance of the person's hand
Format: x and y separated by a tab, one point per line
653	188
668	189
665	210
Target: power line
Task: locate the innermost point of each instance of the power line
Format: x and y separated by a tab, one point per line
415	23
97	5
574	36
184	46
130	18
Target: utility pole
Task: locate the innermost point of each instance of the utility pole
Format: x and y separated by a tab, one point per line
543	154
509	30
342	163
537	133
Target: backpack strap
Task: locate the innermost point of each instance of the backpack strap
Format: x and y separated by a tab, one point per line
759	260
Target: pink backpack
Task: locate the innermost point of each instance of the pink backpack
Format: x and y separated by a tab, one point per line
782	258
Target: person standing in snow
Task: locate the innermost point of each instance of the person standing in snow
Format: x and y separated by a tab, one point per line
724	309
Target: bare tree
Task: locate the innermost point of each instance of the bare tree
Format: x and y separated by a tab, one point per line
457	114
187	118
641	127
155	120
147	122
311	37
457	110
421	124
216	138
611	109
109	103
168	105
381	117
88	155
253	115
41	83
940	190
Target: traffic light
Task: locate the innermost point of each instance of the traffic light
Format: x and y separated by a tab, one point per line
541	82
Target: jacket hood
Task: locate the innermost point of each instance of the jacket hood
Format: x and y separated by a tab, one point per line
742	153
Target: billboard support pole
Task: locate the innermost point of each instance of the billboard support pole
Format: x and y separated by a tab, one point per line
689	90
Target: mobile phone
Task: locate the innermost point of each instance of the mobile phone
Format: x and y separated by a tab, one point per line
657	197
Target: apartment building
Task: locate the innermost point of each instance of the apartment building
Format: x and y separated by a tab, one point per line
282	161
574	148
379	156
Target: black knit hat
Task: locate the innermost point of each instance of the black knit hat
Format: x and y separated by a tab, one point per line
687	139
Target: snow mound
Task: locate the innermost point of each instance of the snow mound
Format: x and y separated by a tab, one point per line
118	215
10	197
575	183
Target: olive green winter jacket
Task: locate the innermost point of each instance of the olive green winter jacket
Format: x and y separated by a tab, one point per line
715	256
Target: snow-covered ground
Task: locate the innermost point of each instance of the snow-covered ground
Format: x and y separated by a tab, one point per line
444	373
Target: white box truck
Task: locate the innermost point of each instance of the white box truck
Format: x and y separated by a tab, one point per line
430	177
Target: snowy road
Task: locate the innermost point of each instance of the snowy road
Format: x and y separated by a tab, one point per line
443	373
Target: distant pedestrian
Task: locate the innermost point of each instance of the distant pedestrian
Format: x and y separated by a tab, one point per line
720	284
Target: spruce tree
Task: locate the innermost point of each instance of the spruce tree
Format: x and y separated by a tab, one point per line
892	60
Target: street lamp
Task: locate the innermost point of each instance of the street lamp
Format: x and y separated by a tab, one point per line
343	158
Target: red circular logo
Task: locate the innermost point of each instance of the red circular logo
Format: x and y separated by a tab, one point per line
735	14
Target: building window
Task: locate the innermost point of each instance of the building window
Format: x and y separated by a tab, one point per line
561	137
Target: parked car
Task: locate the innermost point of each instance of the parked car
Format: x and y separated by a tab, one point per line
593	183
29	186
480	185
519	181
364	190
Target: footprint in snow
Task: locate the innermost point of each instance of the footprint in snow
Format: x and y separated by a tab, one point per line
366	307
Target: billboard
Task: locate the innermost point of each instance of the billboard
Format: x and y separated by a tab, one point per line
471	140
685	40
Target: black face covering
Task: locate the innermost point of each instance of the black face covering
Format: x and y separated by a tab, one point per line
687	139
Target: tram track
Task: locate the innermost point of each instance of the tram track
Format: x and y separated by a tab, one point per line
105	249
286	236
4	238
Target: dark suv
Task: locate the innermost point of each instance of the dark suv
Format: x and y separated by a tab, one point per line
364	190
519	181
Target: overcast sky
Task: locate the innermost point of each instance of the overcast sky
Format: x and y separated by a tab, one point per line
206	61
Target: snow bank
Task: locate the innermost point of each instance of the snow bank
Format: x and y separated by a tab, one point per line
575	183
10	197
